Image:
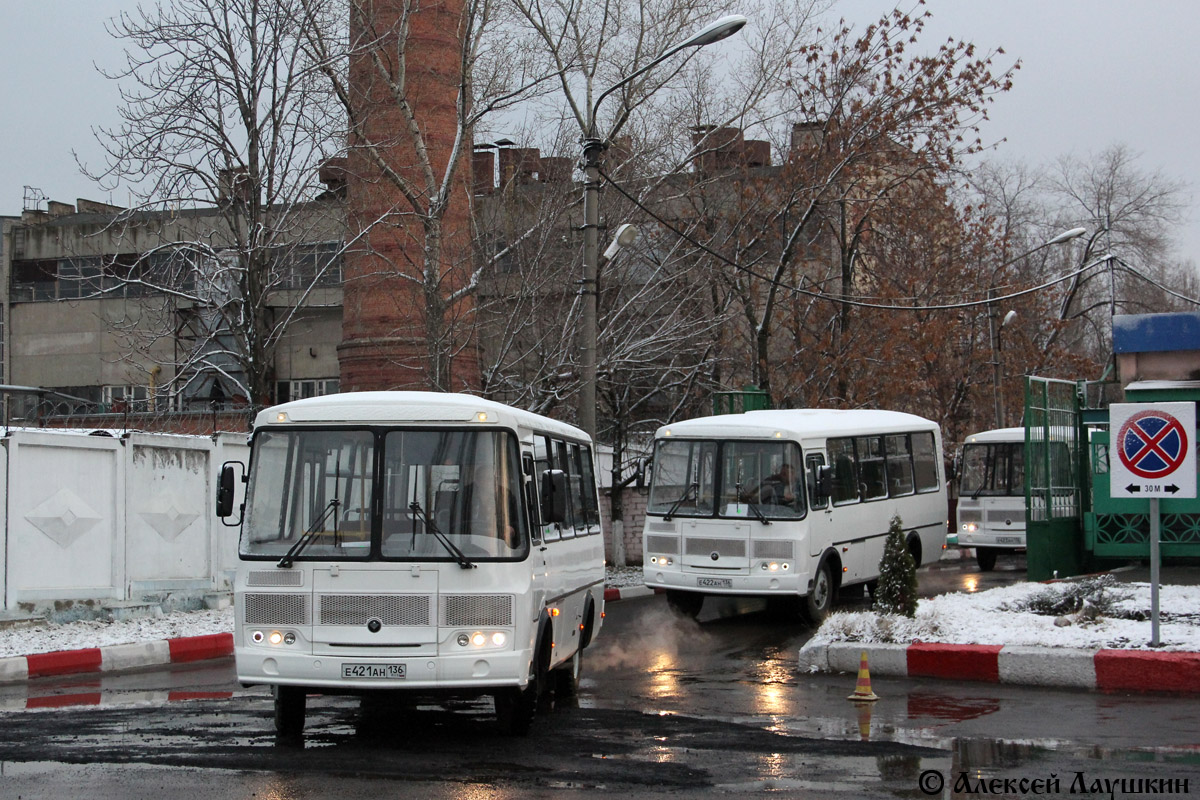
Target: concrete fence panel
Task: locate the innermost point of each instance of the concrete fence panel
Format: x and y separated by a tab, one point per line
65	527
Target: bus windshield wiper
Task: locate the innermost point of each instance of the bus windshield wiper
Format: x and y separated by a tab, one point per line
758	513
692	487
310	534
432	527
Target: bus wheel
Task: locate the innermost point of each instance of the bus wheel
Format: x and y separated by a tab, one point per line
290	704
566	678
516	708
820	599
986	556
687	604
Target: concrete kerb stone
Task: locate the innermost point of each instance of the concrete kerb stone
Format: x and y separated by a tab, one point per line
882	658
1048	666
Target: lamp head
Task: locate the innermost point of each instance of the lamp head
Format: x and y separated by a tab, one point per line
716	31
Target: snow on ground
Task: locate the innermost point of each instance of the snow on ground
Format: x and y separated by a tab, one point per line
1118	617
49	637
990	617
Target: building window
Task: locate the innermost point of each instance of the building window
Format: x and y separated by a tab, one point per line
119	399
286	391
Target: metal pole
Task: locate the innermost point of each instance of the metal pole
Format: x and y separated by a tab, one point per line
592	149
994	332
1154	572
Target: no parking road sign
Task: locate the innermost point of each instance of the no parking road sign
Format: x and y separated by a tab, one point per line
1152	450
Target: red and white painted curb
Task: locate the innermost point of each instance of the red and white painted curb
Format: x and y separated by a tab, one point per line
116	657
1102	670
628	592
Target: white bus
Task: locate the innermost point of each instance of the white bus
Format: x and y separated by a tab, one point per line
991	494
415	541
722	519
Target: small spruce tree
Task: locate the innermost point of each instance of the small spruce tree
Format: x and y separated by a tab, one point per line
897	589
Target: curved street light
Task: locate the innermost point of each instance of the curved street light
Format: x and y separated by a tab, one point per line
996	328
593	148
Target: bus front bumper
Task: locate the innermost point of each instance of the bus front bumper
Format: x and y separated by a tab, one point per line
482	670
773	583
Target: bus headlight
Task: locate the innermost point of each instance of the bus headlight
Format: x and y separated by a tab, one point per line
257	637
970	527
661	561
482	639
776	566
275	638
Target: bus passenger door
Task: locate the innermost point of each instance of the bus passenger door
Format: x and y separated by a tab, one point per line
820	516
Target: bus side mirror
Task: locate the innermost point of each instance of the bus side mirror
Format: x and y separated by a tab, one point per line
226	483
824	482
554	496
644	466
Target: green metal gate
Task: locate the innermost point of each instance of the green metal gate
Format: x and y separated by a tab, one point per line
1054	437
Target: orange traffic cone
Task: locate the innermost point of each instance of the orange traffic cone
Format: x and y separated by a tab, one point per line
862	690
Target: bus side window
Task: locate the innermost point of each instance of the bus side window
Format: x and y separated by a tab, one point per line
551	531
845	476
587	473
925	469
899	465
562	463
872	469
817	497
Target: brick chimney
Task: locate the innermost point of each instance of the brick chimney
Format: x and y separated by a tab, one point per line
387	317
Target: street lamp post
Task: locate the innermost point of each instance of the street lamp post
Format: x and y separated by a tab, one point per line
593	149
995	328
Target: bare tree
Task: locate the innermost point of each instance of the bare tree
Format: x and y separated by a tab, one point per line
223	108
1131	215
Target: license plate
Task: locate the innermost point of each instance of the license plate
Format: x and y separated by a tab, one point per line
1008	540
715	583
393	671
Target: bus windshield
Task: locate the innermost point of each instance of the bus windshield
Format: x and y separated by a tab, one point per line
996	469
438	495
757	478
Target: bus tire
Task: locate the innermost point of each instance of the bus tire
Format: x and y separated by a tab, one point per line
687	604
589	623
819	600
290	708
986	558
914	549
517	707
566	677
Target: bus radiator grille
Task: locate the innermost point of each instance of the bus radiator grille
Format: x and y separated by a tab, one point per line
359	609
276	609
772	549
477	610
275	577
667	545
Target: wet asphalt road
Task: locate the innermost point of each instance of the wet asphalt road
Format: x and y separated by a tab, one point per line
668	707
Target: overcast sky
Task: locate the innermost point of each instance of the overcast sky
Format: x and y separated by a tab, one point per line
1094	73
